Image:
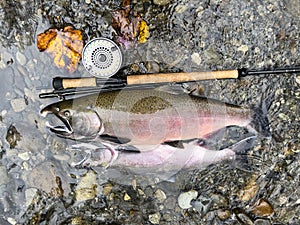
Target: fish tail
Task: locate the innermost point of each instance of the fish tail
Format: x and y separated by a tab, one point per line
241	150
260	122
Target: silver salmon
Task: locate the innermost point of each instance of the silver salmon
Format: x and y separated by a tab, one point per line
147	117
164	161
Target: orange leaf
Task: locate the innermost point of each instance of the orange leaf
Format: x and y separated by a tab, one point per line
64	46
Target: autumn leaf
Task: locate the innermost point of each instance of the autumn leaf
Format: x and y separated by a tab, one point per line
64	46
144	32
130	26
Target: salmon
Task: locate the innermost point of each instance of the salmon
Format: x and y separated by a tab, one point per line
150	117
164	161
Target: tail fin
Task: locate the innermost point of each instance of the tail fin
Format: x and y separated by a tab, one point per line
241	150
260	122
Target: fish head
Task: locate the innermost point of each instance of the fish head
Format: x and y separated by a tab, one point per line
77	123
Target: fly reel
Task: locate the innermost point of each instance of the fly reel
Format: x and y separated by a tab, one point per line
102	57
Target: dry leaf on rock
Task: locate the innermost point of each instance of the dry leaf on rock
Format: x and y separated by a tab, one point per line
64	46
129	26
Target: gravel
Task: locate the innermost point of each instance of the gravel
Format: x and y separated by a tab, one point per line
40	187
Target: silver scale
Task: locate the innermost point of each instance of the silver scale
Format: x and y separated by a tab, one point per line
102	57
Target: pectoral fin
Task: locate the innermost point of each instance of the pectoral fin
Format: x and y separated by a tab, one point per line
114	139
180	143
128	148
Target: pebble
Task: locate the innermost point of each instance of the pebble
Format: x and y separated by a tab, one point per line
185	198
161	2
126	197
181	8
2	65
244	219
88	1
160	195
262	222
29	195
152	67
262	208
298	79
107	189
196	58
18	104
223	214
21	59
243	48
202	204
87	187
154	218
3	174
248	192
24	156
11	220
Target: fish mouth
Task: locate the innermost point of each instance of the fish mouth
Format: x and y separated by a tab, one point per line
60	130
64	130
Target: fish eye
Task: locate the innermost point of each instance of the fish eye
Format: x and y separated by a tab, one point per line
67	113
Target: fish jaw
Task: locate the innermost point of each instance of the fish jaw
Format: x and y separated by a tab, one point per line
76	124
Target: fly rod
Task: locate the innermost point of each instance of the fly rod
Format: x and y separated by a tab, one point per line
63	83
63	93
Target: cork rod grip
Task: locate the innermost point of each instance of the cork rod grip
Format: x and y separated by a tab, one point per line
62	83
181	77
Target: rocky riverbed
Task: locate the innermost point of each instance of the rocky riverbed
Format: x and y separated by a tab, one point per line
38	185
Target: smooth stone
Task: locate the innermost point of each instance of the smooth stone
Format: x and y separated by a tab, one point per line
3	173
160	195
185	198
29	195
18	104
21	59
161	2
243	48
298	79
196	58
87	187
154	218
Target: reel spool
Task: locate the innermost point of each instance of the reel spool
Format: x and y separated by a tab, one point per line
102	57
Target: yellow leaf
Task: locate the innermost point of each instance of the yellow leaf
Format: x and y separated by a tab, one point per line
144	32
64	46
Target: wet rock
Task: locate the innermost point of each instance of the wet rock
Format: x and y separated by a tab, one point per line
262	222
196	58
202	204
24	156
126	197
29	196
223	214
152	67
161	2
47	177
298	79
107	189
243	48
154	218
13	136
160	195
262	208
249	191
185	198
243	218
18	104
21	59
87	187
3	174
11	220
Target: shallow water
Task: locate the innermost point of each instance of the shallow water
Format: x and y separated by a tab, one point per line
39	186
